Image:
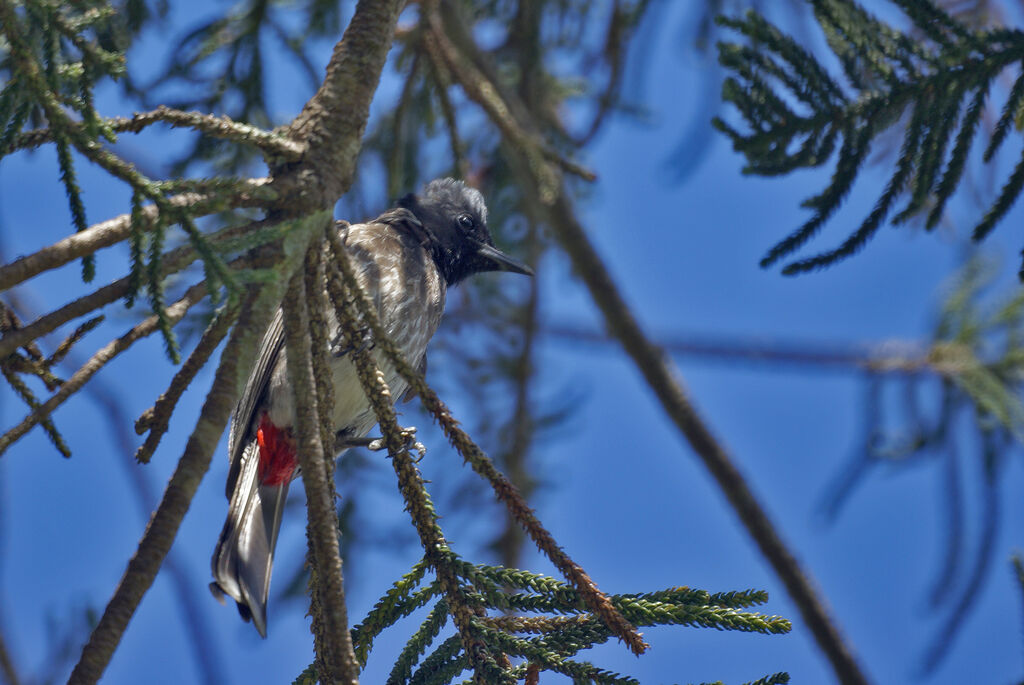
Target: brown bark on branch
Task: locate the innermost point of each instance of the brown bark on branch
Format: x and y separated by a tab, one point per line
410	482
216	126
505	491
332	122
235	364
334	645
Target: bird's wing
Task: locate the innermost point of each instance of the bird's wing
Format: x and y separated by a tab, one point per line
410	394
255	387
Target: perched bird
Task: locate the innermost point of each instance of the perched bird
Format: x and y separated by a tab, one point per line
405	259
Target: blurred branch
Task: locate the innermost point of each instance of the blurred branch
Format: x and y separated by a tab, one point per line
546	192
148	326
889	357
495	105
7	664
200	634
510	541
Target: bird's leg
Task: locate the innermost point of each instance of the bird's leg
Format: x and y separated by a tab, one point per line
411	443
343	441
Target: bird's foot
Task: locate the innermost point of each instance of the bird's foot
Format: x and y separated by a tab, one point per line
409	434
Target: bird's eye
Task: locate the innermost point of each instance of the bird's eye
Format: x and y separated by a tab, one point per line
466	221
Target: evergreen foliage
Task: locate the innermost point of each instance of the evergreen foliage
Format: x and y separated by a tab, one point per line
934	81
563	628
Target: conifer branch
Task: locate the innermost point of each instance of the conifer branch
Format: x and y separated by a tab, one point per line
555	209
505	490
943	79
120	228
217	126
335	658
193	465
411	485
151	324
236	362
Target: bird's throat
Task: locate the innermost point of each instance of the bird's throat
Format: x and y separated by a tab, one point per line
277	453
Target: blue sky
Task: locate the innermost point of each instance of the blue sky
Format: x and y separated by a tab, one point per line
626	496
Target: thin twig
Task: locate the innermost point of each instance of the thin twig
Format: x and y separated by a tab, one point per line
505	490
216	126
235	364
157	418
119	228
891	357
410	482
149	325
335	644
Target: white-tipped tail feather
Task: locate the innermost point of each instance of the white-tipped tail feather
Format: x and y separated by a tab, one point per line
244	557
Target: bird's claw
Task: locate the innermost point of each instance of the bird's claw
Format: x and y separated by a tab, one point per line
378	444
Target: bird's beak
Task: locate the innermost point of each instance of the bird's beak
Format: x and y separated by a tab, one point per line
501	261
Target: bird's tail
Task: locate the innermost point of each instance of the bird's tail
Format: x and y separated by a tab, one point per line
244	556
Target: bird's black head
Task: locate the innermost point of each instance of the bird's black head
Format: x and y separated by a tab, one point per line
455	217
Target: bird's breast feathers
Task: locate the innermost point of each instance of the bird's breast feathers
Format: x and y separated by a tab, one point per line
409	294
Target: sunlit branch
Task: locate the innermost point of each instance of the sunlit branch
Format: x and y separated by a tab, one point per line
115	230
410	482
334	644
216	126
